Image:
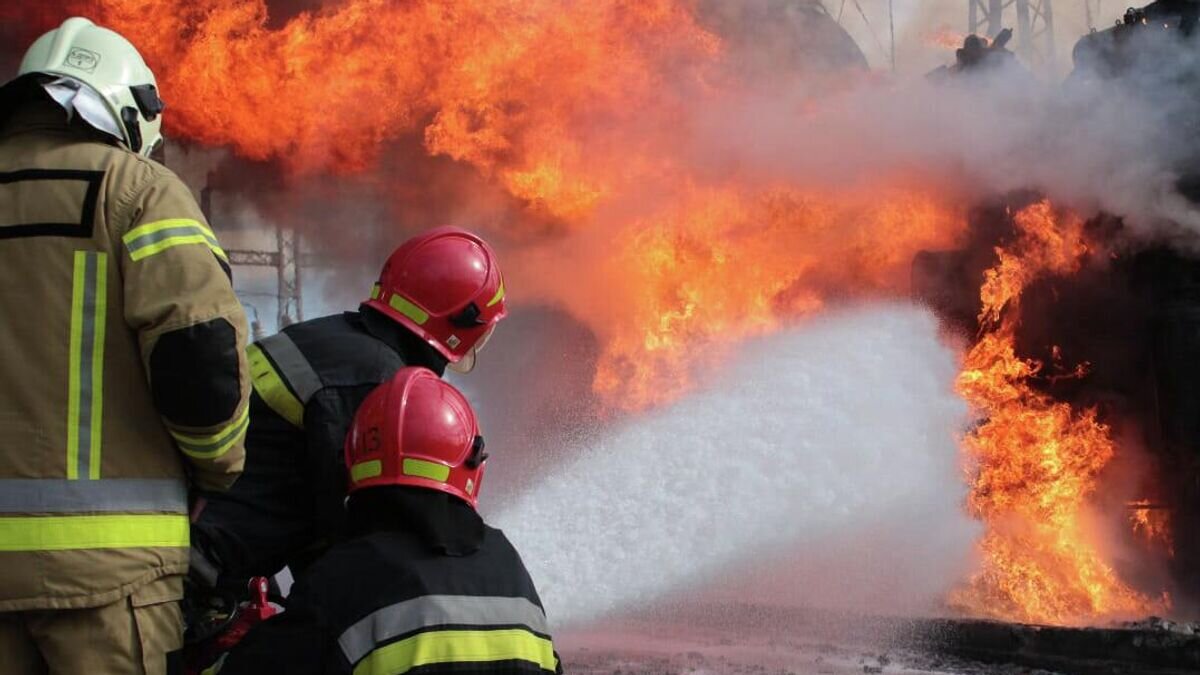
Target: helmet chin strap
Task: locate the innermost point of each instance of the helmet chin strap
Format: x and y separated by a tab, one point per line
466	364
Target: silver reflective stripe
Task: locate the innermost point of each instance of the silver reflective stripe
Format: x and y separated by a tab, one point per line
87	360
292	365
110	495
85	395
438	610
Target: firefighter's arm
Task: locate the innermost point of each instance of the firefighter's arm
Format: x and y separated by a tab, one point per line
191	328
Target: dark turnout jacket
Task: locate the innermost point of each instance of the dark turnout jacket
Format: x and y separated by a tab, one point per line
309	380
427	588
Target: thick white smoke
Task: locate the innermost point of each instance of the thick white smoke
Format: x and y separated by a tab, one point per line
842	430
1087	144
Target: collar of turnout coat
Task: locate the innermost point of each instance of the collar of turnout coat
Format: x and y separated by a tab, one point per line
446	524
411	348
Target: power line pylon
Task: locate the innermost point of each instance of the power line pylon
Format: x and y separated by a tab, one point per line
286	259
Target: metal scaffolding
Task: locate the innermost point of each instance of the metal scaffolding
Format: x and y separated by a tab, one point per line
1034	27
286	258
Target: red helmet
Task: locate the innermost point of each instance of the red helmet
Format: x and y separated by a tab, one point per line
445	286
416	429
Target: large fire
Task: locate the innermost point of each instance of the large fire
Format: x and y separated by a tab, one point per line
724	265
577	112
574	110
503	85
1034	461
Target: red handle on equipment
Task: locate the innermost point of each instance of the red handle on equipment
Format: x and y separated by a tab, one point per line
249	614
256	611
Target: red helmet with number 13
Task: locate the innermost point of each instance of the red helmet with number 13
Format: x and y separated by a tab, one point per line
416	430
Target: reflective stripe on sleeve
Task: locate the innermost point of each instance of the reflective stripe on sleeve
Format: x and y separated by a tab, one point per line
85	389
283	378
438	610
111	495
60	533
146	240
214	445
459	646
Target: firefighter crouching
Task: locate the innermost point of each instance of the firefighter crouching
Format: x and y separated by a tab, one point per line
424	585
438	298
123	361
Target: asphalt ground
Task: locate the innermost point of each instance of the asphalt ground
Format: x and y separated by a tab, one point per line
762	640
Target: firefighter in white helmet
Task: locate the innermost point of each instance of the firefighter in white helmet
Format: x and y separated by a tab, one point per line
123	379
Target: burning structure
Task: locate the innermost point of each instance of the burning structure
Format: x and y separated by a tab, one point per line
707	172
1100	321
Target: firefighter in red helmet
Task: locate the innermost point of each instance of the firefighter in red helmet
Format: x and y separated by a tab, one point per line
437	299
424	583
423	285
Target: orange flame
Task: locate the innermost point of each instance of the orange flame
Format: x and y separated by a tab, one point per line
501	85
1153	524
571	108
726	265
1034	461
945	37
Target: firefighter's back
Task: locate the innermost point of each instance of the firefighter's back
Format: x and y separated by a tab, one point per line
394	605
76	410
123	360
387	603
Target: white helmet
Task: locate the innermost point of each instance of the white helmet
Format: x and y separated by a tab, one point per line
110	64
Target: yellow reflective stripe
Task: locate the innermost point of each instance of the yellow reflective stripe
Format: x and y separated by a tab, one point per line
375	292
423	469
171	242
499	295
146	240
214	445
402	305
74	365
459	646
271	387
61	533
165	224
364	470
98	364
85	371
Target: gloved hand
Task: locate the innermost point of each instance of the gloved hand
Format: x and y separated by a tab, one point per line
204	568
206	606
